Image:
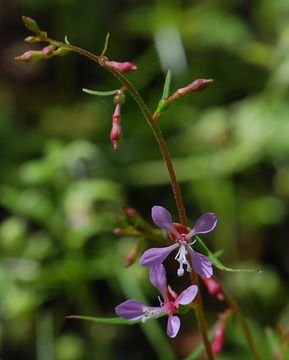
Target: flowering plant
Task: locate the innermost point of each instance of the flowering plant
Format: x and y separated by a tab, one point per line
188	258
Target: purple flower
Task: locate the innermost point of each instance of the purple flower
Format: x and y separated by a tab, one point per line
163	219
135	310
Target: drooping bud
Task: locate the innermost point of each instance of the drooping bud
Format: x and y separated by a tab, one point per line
218	341
219	337
30	56
214	288
31	24
197	85
121	66
115	133
131	257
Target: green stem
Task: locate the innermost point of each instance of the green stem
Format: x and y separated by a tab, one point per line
243	324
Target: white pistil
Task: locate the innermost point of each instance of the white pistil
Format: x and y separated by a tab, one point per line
181	257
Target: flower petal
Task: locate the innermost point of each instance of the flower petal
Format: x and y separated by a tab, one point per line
206	223
163	219
173	327
187	296
202	264
158	278
131	310
156	256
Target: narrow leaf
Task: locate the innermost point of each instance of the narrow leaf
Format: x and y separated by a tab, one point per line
216	261
113	321
100	93
167	85
105	44
66	40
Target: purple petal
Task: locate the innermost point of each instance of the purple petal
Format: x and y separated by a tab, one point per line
206	223
158	278
187	296
173	327
156	256
201	263
163	219
131	310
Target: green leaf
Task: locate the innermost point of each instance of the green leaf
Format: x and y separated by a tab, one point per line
167	85
105	45
216	261
100	93
113	321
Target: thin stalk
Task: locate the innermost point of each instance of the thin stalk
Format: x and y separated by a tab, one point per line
243	324
174	183
201	321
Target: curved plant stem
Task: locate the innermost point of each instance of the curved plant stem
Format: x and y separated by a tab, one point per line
243	324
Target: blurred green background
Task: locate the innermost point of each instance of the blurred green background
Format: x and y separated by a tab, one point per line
62	185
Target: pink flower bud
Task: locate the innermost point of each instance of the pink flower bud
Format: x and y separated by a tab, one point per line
130	212
30	56
218	342
121	66
214	288
116	128
47	51
197	85
131	257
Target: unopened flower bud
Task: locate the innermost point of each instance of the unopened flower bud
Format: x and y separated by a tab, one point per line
130	212
47	51
131	257
218	341
214	288
31	24
115	133
30	56
197	85
31	39
121	66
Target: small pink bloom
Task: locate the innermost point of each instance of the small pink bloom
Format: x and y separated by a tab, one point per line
121	66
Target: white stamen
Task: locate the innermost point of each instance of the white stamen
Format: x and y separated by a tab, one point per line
160	301
181	257
148	314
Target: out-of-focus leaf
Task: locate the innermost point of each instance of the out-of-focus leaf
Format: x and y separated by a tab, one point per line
112	321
